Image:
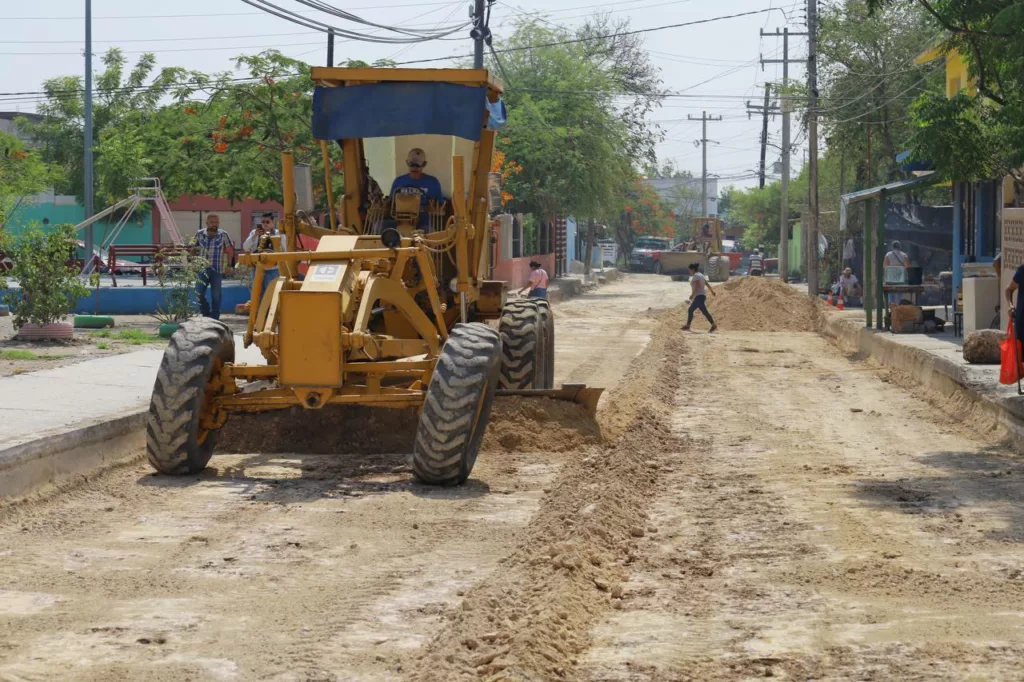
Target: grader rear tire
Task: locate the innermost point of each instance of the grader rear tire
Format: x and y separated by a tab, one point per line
547	321
457	405
522	345
715	269
176	441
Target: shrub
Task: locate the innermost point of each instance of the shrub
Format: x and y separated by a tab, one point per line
178	274
44	266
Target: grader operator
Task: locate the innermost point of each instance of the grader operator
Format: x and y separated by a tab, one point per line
394	310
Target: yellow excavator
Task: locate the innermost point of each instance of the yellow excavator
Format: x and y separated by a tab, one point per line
394	310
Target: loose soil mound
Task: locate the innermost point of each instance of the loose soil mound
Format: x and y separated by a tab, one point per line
529	424
982	347
759	304
532	617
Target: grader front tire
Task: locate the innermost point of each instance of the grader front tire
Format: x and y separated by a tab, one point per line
177	442
457	406
522	345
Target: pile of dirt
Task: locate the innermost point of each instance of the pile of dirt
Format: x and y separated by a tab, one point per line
532	617
528	424
983	347
760	304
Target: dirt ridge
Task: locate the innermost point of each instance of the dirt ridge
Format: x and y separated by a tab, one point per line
532	617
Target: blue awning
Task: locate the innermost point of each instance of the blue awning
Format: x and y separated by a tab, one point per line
404	108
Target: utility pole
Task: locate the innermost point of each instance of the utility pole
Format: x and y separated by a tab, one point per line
87	190
812	143
478	34
765	111
330	47
786	108
704	118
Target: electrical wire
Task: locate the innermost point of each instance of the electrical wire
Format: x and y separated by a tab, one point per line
295	18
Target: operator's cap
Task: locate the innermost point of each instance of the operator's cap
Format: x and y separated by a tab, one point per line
417	157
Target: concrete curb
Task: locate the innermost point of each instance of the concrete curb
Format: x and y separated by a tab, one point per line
55	457
937	373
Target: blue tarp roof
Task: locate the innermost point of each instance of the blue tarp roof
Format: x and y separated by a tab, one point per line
404	108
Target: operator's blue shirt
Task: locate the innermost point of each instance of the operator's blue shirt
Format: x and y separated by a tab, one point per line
427	185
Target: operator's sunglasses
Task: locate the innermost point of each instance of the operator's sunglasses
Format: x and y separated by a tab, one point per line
414	165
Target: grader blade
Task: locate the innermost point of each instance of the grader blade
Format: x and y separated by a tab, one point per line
576	393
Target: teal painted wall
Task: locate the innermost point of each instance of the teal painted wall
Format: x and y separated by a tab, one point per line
138	230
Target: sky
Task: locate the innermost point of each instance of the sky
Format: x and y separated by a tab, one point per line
710	67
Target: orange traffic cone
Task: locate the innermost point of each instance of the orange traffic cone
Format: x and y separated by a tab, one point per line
840	302
829	299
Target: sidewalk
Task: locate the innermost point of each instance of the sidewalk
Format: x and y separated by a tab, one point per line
68	420
936	361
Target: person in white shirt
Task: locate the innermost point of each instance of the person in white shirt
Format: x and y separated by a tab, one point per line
756	263
699	286
896	258
260	241
848	283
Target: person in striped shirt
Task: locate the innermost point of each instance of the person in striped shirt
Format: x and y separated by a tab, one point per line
214	246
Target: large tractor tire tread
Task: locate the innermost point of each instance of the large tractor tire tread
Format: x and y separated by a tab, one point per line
714	269
547	321
457	405
175	443
522	345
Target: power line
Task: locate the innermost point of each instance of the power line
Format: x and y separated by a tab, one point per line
147	17
619	34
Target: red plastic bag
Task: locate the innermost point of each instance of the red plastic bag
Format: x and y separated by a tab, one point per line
1010	371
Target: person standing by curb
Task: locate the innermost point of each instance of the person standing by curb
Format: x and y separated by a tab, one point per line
699	286
214	246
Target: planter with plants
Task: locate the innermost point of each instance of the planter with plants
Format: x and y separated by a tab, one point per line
177	274
43	265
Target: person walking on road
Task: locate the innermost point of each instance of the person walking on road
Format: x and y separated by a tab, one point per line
699	286
538	284
215	247
1016	311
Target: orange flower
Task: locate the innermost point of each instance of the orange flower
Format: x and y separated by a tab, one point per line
190	111
221	147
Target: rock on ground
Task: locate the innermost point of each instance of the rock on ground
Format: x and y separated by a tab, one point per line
982	347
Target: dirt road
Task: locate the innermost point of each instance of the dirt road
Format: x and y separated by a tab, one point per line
282	567
823	523
761	506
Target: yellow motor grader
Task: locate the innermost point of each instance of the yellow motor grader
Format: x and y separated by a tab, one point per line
394	310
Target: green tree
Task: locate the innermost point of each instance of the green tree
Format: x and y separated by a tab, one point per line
125	102
567	128
23	173
868	79
974	138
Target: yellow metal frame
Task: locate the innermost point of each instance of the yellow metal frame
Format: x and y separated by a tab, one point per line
367	324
